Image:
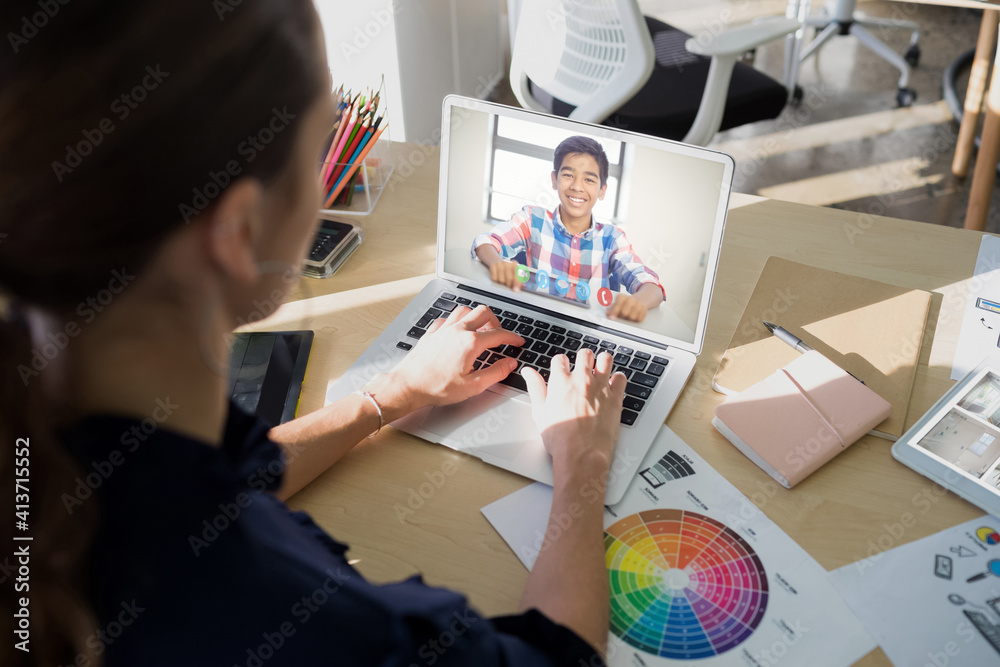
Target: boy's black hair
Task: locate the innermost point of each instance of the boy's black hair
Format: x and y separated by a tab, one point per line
579	144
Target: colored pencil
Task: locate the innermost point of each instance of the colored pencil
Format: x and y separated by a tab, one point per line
341	124
330	161
351	127
344	161
360	159
360	143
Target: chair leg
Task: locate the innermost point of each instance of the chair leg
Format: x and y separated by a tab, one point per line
793	45
884	52
796	9
821	39
874	22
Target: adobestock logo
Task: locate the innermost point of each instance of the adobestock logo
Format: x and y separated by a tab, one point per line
365	34
101	471
58	341
30	25
122	106
102	638
248	149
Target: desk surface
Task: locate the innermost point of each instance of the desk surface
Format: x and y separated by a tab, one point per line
404	508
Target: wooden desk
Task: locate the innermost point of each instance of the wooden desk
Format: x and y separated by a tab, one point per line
838	515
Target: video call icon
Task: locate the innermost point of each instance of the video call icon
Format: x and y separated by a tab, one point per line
523	274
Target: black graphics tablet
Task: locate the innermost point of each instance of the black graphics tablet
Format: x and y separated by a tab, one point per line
266	372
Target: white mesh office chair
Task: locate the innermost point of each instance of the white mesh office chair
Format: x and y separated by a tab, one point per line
602	61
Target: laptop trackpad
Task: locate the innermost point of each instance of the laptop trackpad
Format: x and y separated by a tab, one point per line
489	424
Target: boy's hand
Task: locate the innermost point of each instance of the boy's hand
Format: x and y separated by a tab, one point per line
502	272
627	307
505	273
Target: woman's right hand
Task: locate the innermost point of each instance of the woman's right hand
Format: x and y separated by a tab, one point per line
439	370
579	411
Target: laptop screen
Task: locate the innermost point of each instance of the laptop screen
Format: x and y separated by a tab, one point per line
606	226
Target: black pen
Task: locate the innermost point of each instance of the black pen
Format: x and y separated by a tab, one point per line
787	337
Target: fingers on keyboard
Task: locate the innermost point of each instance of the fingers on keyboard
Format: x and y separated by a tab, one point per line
542	342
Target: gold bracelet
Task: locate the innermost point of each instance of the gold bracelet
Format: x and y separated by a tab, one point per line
378	408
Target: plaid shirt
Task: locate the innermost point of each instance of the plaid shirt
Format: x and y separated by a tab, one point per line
601	254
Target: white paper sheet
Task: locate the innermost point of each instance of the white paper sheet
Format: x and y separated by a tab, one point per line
702	575
919	600
980	326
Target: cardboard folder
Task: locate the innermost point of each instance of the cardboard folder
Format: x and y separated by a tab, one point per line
869	328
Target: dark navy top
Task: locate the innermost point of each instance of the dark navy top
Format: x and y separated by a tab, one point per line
196	563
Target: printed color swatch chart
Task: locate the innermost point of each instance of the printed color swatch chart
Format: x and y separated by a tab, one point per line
683	585
671	466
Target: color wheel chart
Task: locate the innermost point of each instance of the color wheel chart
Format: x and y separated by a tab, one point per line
683	585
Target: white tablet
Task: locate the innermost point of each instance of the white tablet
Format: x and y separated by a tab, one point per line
957	443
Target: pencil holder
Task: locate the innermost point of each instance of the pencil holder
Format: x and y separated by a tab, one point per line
353	188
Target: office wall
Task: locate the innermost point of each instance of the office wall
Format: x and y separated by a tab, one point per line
670	209
426	49
361	47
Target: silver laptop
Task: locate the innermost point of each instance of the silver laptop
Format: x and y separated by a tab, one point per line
657	224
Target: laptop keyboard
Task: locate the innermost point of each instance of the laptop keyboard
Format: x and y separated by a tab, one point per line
542	341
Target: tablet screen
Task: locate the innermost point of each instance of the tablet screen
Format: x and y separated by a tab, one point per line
963	432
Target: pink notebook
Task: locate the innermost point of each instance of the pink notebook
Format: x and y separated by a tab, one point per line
801	416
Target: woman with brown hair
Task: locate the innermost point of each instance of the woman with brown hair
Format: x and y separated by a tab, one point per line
136	225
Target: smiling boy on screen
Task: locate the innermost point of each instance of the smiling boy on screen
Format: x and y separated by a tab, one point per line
567	241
